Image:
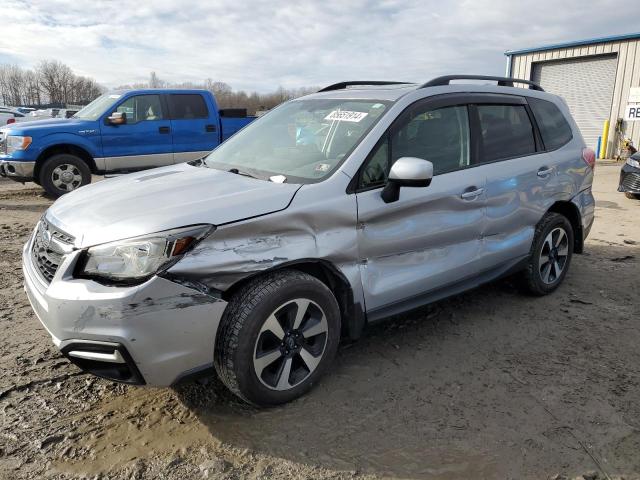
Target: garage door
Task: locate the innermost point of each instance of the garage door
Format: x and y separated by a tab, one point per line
587	86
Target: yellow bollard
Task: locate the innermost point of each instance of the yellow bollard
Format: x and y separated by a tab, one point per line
605	140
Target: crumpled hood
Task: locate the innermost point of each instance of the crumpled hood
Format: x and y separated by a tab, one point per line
162	199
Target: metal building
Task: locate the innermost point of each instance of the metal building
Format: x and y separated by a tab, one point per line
599	78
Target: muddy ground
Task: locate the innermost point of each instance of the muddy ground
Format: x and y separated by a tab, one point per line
490	384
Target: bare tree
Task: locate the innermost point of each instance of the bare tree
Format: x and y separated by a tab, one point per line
155	82
52	82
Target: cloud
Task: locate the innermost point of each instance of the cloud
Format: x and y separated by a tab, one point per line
259	45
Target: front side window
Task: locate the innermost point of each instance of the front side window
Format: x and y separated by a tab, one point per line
438	135
185	106
142	108
506	132
303	140
554	128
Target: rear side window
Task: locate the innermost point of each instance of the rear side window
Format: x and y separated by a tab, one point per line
185	106
506	132
554	128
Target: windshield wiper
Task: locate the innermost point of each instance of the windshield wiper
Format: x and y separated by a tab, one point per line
241	172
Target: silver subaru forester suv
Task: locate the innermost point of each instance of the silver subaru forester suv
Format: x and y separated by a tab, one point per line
332	211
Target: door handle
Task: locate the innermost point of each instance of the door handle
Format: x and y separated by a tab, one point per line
472	194
544	171
210	128
164	129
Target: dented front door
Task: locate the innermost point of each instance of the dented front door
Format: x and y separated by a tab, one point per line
428	239
431	237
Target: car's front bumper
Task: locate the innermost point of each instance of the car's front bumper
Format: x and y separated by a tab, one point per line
629	179
154	333
17	170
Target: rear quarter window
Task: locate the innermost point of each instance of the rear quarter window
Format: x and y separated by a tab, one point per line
553	126
185	106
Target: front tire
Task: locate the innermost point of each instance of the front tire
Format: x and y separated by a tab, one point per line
64	173
550	255
277	337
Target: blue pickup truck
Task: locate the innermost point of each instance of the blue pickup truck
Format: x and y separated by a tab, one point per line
119	132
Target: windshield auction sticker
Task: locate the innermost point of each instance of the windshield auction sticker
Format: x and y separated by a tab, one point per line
346	116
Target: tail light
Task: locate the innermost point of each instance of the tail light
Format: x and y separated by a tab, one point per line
10	121
589	157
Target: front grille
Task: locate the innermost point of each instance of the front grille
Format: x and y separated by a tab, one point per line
631	181
62	237
46	251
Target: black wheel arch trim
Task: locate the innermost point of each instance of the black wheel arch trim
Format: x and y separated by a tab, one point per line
571	211
351	310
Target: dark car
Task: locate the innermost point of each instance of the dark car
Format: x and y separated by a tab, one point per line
630	177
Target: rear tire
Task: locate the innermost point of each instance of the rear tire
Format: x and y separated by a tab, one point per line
278	336
550	255
63	173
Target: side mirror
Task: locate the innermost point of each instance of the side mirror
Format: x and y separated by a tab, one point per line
407	172
117	118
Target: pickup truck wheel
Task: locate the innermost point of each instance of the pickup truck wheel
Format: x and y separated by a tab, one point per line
550	254
277	337
64	173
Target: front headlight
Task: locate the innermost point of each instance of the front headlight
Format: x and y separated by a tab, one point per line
139	258
633	162
16	142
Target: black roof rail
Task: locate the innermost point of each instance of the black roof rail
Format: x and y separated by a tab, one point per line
502	81
343	85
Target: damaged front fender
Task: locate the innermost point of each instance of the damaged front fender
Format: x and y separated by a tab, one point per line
315	227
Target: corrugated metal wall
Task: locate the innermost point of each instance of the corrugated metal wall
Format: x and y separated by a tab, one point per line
627	76
586	84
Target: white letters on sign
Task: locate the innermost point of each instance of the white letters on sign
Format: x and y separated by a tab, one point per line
346	116
632	112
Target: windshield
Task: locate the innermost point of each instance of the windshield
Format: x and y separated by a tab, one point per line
304	140
97	107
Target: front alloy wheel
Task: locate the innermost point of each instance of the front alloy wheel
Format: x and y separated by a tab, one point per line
277	337
290	344
63	173
66	177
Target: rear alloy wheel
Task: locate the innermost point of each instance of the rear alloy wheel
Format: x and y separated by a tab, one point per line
550	255
64	173
277	337
554	255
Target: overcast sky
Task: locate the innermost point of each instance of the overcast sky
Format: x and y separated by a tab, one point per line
259	45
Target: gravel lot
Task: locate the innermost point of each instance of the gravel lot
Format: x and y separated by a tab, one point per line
490	384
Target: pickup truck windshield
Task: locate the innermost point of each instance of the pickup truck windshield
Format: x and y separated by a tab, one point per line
304	140
97	107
